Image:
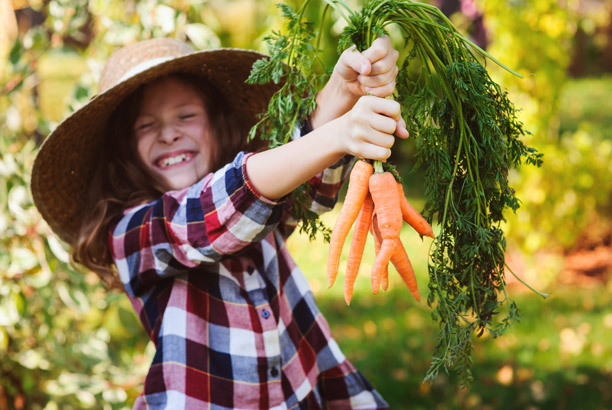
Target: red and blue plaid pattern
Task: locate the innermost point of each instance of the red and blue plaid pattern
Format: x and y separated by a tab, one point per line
231	315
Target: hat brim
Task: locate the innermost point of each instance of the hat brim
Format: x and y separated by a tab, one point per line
67	159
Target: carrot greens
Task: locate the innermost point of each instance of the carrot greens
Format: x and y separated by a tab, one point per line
292	57
467	135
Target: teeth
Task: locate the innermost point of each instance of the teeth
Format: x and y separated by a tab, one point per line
166	162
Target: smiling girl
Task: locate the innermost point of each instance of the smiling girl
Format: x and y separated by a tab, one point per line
155	187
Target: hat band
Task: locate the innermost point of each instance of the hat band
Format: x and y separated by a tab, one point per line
145	65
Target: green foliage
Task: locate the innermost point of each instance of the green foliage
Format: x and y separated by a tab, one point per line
534	38
65	342
568	199
292	57
290	63
585	104
58	343
468	136
559	362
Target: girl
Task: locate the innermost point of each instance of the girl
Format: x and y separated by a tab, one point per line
153	186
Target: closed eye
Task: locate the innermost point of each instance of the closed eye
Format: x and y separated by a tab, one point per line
144	126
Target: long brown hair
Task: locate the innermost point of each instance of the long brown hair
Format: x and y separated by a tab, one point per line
121	179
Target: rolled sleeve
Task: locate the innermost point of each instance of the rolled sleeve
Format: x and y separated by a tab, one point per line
219	215
324	187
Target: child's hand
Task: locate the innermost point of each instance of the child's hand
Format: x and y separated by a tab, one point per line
356	74
367	130
372	71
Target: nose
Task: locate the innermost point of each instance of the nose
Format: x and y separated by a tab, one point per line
169	134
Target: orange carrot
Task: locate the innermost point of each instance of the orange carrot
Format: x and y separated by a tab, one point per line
384	279
412	217
377	240
355	195
360	235
383	188
402	263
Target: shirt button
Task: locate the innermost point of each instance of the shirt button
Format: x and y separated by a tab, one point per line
274	372
265	314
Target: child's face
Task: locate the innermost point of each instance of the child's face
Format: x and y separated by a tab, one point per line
172	133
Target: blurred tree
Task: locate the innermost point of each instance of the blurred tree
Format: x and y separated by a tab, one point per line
570	196
592	44
8	27
466	16
64	342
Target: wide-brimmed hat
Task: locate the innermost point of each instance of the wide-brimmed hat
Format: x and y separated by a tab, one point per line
67	159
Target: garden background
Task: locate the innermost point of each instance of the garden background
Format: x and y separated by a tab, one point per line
67	343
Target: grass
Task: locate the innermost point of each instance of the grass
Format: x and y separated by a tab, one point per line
587	102
555	357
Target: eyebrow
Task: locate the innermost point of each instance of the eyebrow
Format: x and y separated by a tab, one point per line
177	107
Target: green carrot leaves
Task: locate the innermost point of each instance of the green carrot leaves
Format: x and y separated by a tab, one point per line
291	64
468	136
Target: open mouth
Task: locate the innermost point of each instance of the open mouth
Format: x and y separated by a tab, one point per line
173	160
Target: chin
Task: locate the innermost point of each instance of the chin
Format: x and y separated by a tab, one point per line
181	183
180	180
178	185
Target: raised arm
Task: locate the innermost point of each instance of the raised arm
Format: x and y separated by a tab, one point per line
346	121
365	131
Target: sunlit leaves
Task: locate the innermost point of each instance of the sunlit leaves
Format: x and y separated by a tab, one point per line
468	136
290	65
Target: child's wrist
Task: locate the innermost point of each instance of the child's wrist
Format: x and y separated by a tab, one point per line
343	91
333	101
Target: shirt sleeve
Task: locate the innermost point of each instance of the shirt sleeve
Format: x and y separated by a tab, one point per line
324	187
218	216
344	387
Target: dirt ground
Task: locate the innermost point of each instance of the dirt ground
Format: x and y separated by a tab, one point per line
588	264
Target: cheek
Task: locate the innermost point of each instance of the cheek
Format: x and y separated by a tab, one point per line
208	148
142	149
213	153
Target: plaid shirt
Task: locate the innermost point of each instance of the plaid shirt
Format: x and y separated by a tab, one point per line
231	315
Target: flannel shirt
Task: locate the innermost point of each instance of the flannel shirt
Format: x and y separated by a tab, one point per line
232	317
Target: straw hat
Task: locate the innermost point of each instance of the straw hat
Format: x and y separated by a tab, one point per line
65	163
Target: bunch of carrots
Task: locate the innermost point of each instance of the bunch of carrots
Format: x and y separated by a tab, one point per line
374	203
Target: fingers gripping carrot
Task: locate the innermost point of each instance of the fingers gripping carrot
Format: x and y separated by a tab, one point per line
383	188
403	266
412	217
360	236
355	195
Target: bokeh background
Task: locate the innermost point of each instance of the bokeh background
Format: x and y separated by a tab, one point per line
68	343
